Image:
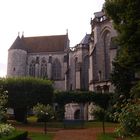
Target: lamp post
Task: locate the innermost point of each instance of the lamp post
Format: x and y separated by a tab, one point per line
45	122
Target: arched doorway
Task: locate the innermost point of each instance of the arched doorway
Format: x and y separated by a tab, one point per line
77	114
106	89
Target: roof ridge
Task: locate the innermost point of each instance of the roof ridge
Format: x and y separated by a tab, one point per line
45	36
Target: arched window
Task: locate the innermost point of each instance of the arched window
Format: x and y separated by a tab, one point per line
107	41
98	89
43	70
106	88
32	68
56	70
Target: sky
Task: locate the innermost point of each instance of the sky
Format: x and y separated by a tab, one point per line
43	18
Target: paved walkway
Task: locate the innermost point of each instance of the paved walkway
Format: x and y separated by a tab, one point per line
80	134
70	134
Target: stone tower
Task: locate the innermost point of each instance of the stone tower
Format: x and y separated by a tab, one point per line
17	56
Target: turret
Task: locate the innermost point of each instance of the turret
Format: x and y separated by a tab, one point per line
17	55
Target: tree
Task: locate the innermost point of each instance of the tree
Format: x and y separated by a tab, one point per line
25	92
126	20
44	113
3	102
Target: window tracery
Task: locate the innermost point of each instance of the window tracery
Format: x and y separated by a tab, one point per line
32	68
43	70
56	70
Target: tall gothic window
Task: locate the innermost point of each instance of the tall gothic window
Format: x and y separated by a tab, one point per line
94	65
43	70
56	70
85	77
107	40
32	68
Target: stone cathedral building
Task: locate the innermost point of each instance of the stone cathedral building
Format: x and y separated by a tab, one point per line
44	57
86	66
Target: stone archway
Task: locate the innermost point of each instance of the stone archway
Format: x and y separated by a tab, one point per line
77	114
106	88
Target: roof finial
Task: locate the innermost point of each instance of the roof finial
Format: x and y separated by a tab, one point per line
23	34
18	34
67	31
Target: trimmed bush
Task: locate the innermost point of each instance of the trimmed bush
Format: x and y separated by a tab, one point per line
25	92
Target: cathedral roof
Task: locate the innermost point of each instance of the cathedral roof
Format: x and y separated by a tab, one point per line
85	40
46	43
18	44
41	43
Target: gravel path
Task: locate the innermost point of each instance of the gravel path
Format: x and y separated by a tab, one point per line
80	134
71	134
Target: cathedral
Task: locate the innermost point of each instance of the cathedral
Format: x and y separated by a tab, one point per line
86	66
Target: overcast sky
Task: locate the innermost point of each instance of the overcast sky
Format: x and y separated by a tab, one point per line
42	18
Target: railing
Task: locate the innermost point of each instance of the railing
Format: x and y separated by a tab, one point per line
77	123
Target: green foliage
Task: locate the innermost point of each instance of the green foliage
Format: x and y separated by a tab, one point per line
129	118
122	78
40	136
65	97
108	136
25	92
59	113
98	113
126	19
3	102
113	136
43	112
16	135
6	129
135	91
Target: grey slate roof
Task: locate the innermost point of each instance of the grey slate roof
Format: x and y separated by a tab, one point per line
18	44
85	40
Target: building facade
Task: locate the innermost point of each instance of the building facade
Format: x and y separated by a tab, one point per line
86	66
102	51
43	57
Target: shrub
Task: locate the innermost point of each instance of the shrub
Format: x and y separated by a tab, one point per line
43	112
3	102
129	119
6	129
25	92
98	112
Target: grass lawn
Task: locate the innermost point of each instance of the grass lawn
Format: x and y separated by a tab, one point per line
105	137
111	136
40	136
